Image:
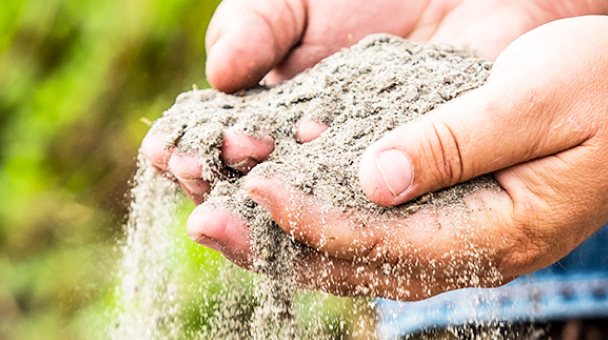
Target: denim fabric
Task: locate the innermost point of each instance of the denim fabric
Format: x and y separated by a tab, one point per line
574	287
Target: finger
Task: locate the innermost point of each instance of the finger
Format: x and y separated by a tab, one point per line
228	233
489	28
243	152
309	131
224	231
299	59
246	39
303	219
153	147
455	243
187	170
333	25
428	234
506	122
195	190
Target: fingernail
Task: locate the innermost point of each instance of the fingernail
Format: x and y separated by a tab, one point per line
159	166
396	169
310	130
245	165
259	198
195	186
205	241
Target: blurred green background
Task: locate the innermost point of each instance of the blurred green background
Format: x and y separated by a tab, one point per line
76	77
79	82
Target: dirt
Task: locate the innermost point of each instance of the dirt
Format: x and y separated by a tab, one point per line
146	293
362	93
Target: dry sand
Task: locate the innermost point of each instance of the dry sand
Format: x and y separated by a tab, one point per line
362	93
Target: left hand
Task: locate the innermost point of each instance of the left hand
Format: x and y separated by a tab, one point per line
540	124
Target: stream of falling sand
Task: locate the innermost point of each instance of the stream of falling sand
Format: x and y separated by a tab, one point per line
147	293
148	303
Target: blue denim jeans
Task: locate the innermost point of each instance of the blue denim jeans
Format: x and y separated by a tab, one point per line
575	287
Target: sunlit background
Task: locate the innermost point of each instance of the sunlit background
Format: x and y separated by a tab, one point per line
76	79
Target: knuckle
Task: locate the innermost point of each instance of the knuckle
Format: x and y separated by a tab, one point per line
444	158
536	113
522	256
532	239
373	246
526	248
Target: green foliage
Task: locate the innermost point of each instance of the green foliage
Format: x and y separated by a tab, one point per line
75	79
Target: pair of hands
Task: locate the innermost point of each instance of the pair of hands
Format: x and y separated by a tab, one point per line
539	125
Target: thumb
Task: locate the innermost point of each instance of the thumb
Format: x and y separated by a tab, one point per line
246	39
493	127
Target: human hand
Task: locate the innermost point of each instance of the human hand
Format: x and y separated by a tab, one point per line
275	39
540	124
246	39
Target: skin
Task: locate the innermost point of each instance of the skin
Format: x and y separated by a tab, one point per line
539	125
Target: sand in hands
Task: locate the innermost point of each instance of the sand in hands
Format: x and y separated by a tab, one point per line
361	93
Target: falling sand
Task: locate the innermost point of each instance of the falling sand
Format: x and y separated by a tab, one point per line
362	93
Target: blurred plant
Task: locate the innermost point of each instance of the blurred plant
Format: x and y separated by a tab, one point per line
75	79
